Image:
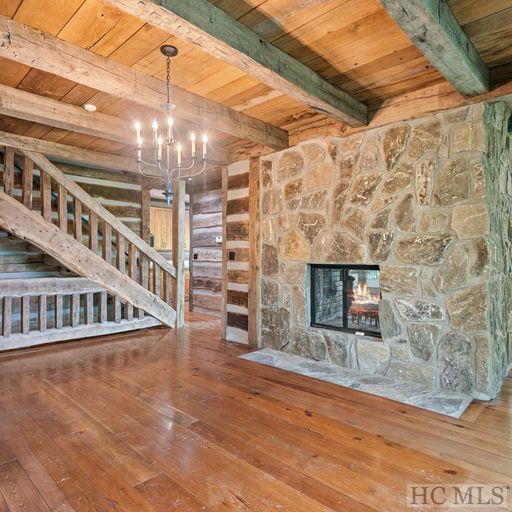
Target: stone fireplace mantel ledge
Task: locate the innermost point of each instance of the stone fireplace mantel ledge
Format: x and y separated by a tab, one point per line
444	402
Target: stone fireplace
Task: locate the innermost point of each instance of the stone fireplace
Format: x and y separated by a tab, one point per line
428	203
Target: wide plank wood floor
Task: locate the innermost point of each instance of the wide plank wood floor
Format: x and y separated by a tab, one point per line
174	421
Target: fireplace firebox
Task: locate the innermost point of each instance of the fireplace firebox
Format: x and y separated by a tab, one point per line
346	298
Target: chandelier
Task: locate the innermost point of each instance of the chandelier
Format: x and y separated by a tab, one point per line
167	155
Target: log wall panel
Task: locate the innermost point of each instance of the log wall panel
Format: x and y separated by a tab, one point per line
206	253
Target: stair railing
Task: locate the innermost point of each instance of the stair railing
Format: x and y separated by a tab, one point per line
120	246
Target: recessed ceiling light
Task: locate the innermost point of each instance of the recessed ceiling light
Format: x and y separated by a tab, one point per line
90	107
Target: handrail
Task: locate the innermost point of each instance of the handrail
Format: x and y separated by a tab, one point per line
47	286
44	164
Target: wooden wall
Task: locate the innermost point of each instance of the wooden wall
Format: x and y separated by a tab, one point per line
205	266
240	248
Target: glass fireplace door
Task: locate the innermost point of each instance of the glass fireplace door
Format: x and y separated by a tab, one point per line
346	298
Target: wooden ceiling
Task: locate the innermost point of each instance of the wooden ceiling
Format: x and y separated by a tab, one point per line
353	44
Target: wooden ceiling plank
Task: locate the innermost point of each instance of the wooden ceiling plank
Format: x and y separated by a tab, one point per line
32	47
225	38
433	28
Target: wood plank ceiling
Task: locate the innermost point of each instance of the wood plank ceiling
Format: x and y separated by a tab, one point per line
354	44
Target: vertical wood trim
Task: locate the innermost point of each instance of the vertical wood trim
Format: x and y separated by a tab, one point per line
89	308
191	253
6	316
9	170
75	310
106	243
145	201
27	182
223	313
103	307
62	208
254	251
58	311
178	251
25	314
77	219
93	232
42	309
46	196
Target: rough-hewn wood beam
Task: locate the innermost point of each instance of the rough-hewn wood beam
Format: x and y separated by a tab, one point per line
201	23
57	151
37	49
39	109
432	27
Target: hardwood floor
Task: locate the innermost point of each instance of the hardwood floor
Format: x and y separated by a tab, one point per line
174	421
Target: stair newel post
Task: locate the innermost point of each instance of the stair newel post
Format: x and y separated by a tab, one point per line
62	208
106	243
77	219
42	313
27	183
93	232
9	170
178	251
6	316
46	196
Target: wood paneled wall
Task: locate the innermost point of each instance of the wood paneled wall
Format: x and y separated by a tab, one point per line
241	240
206	252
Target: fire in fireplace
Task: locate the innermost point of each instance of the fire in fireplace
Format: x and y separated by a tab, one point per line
346	298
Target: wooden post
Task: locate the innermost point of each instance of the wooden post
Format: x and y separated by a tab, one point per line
178	251
103	307
254	252
191	252
58	311
89	308
106	243
42	313
145	201
25	314
75	310
9	170
46	196
223	312
77	219
93	232
6	317
27	182
62	208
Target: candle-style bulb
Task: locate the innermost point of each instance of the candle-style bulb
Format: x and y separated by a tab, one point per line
193	139
160	143
154	125
178	149
138	127
205	142
170	134
170	121
155	132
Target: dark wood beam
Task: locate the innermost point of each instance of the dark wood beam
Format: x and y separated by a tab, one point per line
215	32
432	27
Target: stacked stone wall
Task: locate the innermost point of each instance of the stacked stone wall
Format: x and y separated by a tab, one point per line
411	198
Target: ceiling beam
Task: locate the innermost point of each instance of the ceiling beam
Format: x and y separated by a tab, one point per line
39	109
215	32
432	27
24	44
72	154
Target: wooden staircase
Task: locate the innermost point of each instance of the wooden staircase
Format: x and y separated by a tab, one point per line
46	208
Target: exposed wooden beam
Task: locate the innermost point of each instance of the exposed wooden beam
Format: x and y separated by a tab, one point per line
220	35
56	151
37	49
432	27
39	109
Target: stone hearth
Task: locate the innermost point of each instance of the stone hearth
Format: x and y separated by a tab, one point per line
415	199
